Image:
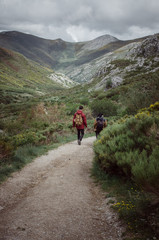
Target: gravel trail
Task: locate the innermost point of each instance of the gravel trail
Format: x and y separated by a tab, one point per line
54	198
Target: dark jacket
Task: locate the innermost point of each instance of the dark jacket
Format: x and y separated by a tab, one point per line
84	120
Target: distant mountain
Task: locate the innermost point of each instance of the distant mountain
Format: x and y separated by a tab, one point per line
78	61
30	46
98	43
52	52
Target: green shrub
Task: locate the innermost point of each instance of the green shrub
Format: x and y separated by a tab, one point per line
84	101
146	169
105	106
39	124
144	90
109	83
71	109
101	96
130	148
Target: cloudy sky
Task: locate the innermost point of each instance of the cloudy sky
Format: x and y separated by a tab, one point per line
80	20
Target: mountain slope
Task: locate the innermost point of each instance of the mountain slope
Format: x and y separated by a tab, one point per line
130	61
51	52
27	78
99	42
61	56
78	61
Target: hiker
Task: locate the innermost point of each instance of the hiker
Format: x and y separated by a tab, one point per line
79	121
99	124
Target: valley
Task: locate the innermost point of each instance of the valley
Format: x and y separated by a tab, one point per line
78	61
42	84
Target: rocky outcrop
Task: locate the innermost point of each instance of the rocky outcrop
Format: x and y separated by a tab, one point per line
62	80
149	47
142	57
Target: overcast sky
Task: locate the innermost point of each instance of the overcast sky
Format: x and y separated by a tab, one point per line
81	20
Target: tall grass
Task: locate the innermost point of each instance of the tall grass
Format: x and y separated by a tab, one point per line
22	156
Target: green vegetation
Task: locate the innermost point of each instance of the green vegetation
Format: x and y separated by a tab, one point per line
136	207
127	152
138	90
22	79
31	128
109	84
129	149
36	115
107	107
122	63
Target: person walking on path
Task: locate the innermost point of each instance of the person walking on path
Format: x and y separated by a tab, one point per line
79	121
99	124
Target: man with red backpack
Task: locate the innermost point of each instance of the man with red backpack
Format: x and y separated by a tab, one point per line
79	121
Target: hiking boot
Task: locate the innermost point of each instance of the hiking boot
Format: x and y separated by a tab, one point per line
79	142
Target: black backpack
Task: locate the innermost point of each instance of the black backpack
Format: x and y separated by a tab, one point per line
100	123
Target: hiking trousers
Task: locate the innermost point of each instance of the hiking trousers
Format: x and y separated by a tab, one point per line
80	134
97	133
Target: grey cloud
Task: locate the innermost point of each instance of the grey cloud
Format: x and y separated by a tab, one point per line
80	20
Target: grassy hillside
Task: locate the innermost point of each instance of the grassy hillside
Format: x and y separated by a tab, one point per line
21	78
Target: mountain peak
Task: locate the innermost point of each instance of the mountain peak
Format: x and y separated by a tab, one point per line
99	42
106	37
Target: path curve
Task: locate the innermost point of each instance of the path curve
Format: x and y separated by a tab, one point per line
54	198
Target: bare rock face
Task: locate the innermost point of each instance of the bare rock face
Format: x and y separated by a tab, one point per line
149	47
144	54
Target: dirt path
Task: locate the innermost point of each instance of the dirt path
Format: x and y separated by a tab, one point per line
54	198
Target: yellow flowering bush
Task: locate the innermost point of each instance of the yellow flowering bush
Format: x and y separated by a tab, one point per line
144	112
154	107
24	138
142	115
128	206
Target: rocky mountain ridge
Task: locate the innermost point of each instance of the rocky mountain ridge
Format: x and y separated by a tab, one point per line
78	61
141	57
53	51
105	57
